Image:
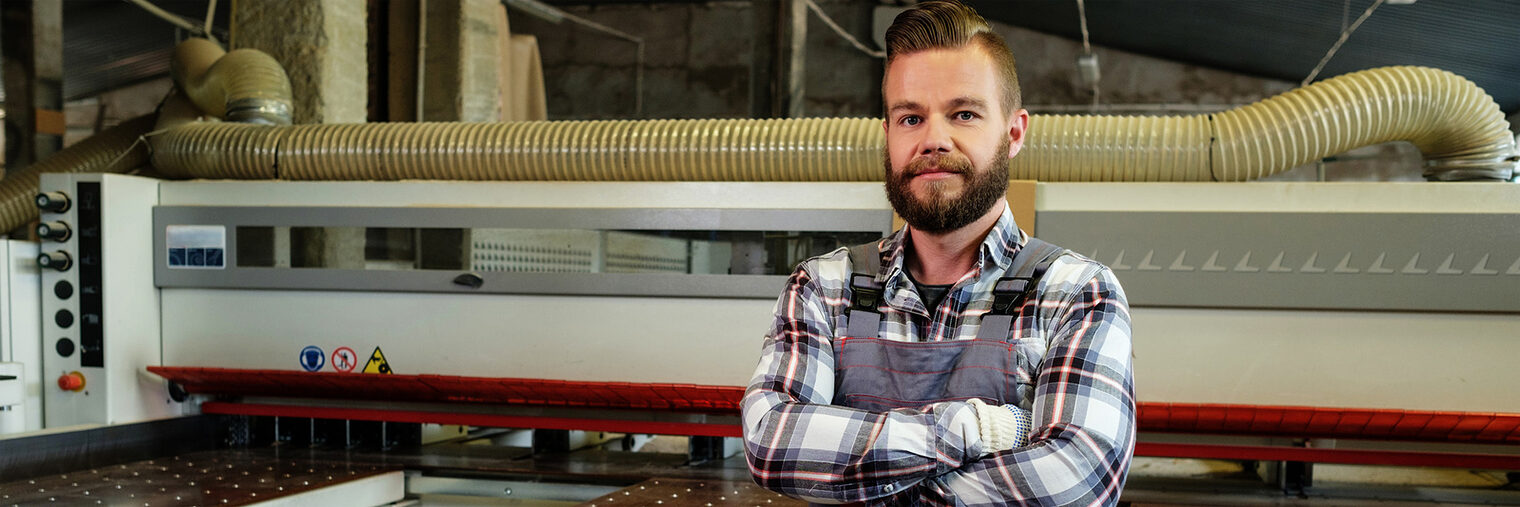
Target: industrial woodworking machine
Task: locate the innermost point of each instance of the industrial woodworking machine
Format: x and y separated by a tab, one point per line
1378	316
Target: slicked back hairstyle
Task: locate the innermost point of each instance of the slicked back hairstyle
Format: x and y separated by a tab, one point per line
949	24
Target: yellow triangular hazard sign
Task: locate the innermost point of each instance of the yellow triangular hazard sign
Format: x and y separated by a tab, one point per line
377	363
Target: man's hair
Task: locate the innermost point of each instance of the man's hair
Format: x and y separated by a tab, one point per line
949	24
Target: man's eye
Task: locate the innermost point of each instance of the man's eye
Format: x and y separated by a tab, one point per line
910	120
965	116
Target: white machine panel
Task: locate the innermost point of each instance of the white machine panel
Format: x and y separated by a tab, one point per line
99	338
1404	360
20	348
587	338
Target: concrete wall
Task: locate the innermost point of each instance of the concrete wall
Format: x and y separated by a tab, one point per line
460	80
698	65
696	61
88	116
321	44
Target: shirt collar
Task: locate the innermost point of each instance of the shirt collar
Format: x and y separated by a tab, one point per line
997	250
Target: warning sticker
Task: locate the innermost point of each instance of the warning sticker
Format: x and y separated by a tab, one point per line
377	363
344	359
312	358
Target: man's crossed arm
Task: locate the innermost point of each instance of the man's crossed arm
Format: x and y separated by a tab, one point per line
797	443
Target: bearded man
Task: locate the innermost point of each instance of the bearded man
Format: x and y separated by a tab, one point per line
958	361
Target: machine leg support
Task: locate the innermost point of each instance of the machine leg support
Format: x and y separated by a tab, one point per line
256	431
703	449
551	441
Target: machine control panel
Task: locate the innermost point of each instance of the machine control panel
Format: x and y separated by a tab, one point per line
87	221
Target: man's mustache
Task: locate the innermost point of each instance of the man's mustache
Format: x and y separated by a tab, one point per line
939	163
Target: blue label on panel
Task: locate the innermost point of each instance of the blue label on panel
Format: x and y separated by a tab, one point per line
196	246
312	358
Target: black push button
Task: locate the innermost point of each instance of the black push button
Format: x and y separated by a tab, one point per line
65	347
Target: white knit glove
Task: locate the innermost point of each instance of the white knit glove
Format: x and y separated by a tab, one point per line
1002	427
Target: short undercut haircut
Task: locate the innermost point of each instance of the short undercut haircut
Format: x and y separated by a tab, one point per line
949	24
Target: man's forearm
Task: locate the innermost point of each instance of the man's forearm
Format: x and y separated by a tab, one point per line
827	453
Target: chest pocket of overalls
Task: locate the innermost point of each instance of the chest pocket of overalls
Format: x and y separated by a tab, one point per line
876	374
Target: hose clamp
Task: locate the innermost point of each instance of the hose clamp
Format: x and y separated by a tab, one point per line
261	111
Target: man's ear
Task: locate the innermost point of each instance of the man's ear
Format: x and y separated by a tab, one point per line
1018	123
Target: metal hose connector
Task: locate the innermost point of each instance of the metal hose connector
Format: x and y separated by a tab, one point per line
245	85
1452	121
113	150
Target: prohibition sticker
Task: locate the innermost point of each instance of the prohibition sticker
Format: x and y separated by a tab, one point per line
377	363
344	359
312	358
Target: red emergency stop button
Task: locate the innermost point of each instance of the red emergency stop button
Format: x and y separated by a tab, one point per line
71	381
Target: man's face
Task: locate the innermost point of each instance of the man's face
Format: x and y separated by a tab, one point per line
948	137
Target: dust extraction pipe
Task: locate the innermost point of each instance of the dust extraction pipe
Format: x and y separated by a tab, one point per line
113	150
245	85
1453	122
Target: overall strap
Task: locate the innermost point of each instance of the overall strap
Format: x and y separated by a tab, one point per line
1009	293
862	320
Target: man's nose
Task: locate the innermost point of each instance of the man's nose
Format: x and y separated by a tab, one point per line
936	138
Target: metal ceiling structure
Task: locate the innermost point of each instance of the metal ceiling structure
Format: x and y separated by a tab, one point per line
110	44
113	44
1285	39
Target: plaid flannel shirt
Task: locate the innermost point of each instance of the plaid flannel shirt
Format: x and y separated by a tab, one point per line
1077	335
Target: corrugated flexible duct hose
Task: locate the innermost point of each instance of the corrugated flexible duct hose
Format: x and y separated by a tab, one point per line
1453	122
1456	125
245	85
113	150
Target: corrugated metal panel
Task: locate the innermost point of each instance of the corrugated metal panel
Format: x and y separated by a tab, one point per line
108	45
1284	39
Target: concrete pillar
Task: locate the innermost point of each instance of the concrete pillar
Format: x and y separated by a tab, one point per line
460	77
33	58
321	43
779	62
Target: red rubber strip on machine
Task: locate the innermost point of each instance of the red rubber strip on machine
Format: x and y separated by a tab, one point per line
1186	418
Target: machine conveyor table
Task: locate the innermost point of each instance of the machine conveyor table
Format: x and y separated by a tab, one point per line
228	477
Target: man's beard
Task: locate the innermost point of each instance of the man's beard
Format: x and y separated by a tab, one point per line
938	213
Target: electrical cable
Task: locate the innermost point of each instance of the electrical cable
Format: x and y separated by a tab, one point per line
210	16
172	18
1082	13
1345	34
638	77
1087	47
874	53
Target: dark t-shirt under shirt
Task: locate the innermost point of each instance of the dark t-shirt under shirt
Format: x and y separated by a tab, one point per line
932	295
